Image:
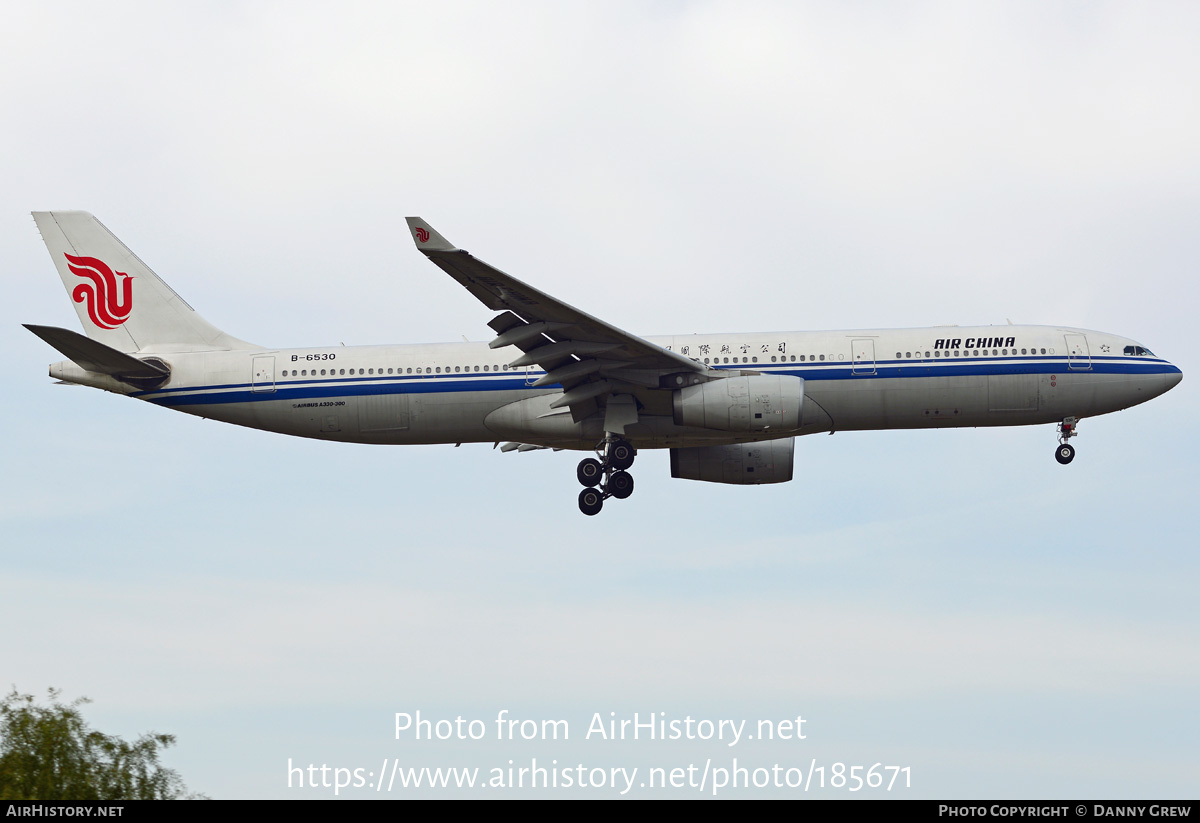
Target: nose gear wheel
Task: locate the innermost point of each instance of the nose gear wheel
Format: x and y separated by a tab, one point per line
1065	452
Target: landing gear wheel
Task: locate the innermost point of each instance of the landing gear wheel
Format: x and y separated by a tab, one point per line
590	472
620	485
620	455
1067	429
590	501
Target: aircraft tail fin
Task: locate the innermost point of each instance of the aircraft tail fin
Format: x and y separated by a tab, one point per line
120	301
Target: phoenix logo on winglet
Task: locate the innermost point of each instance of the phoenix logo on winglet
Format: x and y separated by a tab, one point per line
105	307
423	235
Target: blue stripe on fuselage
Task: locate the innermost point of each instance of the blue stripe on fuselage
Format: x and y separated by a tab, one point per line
438	383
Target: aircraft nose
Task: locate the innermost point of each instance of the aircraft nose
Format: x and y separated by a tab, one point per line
1165	377
1174	377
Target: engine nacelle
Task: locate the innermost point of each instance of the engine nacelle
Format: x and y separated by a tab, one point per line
742	404
745	464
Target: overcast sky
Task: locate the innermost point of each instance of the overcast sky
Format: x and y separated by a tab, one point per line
952	601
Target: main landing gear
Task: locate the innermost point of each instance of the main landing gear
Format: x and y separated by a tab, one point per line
606	477
1065	452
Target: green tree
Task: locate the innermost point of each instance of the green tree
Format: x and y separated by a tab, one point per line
50	753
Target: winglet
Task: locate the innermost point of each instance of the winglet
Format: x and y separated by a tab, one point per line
426	238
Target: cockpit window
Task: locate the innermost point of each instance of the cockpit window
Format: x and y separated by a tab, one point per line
1138	351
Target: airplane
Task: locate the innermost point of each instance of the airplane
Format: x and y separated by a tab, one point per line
728	406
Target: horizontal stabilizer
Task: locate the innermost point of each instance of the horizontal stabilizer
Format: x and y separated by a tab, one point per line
96	357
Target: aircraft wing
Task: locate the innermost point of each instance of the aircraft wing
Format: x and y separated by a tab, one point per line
589	358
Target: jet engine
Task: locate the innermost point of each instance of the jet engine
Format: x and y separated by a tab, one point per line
745	464
742	404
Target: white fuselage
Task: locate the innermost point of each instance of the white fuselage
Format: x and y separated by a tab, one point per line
464	392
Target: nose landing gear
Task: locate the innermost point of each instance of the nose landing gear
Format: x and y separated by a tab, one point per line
1065	452
606	477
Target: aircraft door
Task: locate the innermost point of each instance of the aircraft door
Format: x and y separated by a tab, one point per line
862	354
1078	356
263	375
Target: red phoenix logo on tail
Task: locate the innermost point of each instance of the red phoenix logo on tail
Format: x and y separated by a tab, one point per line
105	306
422	234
